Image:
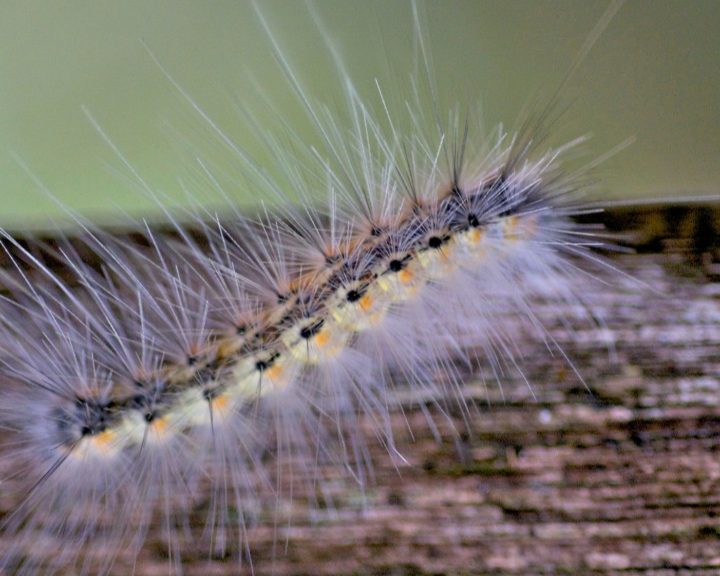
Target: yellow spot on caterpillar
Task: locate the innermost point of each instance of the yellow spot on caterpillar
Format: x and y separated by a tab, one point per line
384	284
510	226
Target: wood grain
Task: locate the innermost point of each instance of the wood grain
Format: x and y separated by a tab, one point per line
619	475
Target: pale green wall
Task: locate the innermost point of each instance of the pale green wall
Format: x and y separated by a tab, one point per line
654	75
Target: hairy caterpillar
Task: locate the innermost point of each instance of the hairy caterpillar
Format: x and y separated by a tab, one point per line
186	360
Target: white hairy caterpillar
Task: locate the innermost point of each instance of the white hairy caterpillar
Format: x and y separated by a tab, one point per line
182	362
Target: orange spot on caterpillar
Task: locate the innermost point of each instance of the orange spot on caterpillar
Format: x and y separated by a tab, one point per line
405	276
475	235
221	402
365	302
274	372
159	425
322	338
103	441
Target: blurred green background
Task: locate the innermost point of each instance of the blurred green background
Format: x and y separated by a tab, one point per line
654	76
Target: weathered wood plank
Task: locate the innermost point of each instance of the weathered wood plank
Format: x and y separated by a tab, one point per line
621	477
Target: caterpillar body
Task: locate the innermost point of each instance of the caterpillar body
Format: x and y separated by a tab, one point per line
187	360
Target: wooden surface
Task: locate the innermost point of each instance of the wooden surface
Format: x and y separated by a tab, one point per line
619	478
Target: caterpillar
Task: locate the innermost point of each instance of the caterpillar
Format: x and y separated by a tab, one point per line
149	371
